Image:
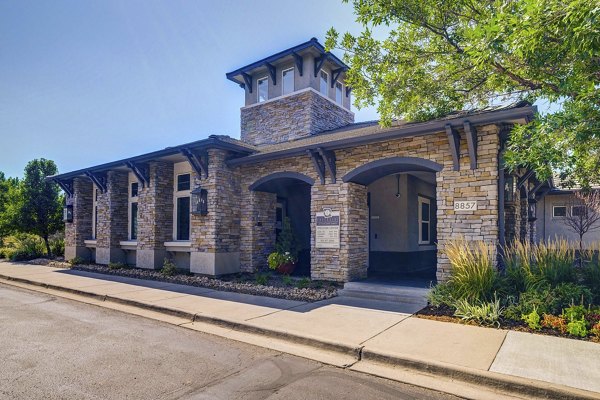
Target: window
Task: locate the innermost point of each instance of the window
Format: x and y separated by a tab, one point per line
262	89
559	211
287	81
338	93
578	211
183	182
183	218
133	221
134	189
424	221
324	79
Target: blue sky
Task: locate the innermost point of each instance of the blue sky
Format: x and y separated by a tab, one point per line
86	82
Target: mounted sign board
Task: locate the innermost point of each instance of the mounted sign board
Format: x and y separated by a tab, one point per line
328	229
469	205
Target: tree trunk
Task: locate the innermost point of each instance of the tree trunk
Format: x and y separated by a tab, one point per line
580	250
47	243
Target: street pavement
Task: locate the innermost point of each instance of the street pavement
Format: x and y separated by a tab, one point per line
54	348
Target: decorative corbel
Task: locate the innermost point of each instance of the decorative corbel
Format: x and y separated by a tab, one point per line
454	143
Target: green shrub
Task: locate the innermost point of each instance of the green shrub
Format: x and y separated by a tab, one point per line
23	246
169	268
77	261
591	278
473	275
566	294
57	244
487	313
577	328
263	279
287	281
441	294
555	261
532	319
303	283
574	312
117	265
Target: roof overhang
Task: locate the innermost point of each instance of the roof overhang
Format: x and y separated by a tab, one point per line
519	115
312	46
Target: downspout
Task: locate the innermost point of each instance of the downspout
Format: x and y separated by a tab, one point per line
501	227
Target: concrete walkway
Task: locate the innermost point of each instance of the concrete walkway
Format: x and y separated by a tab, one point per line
376	337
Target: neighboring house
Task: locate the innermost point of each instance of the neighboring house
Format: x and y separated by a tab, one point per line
361	198
552	210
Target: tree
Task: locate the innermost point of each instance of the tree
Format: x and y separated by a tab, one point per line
446	55
10	204
41	209
583	215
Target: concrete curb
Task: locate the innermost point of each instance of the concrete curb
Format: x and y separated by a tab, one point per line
505	383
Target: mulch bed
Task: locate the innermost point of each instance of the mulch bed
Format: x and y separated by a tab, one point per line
446	314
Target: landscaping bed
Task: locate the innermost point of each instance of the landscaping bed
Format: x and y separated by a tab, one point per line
261	283
548	288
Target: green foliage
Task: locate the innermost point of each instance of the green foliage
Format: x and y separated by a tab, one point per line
120	265
287	242
574	312
532	319
591	278
77	261
487	313
287	281
22	247
473	276
10	205
444	55
577	328
169	268
262	279
441	294
553	322
547	300
276	259
596	331
303	283
57	244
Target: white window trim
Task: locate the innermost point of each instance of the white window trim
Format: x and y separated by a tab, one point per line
258	90
293	80
556	206
326	83
341	103
94	211
577	205
177	195
129	203
425	200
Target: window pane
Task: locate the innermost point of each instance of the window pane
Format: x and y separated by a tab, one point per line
425	232
288	81
560	211
134	209
324	81
134	189
183	182
263	89
424	212
338	93
183	218
578	211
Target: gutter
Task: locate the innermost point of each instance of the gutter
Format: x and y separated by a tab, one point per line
418	129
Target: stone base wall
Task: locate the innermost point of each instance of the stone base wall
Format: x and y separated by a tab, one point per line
112	219
257	227
80	229
291	117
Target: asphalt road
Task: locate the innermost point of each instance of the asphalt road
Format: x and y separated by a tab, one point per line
54	348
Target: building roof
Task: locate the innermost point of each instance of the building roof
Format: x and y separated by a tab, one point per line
562	186
312	45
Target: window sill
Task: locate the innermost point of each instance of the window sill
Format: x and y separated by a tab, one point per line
90	243
128	244
179	245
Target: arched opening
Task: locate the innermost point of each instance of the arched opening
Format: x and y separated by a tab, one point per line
402	217
292	200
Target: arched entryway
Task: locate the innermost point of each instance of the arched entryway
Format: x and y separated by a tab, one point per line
291	198
402	216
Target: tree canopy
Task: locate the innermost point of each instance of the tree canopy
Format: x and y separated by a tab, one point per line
441	56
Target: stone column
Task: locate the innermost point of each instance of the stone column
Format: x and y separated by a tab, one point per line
480	185
216	236
257	228
349	262
524	228
512	221
112	219
80	229
155	216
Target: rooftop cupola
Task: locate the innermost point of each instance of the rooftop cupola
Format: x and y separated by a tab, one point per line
293	94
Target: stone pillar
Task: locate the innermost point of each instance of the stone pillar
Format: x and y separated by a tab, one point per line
524	228
80	229
216	236
349	262
480	185
257	228
112	219
155	216
512	221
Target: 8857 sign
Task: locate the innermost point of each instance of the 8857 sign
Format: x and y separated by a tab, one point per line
470	205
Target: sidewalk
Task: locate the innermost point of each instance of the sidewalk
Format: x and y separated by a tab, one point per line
370	336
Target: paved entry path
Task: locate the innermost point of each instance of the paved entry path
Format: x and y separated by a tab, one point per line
360	334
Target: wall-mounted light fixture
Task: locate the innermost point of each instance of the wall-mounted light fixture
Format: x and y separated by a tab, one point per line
68	213
531	209
398	186
199	201
509	188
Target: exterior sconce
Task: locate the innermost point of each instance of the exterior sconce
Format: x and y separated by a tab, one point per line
509	188
68	213
531	207
199	201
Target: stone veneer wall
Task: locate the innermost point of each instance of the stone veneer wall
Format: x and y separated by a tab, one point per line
257	228
291	117
112	218
350	262
155	215
80	229
512	224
